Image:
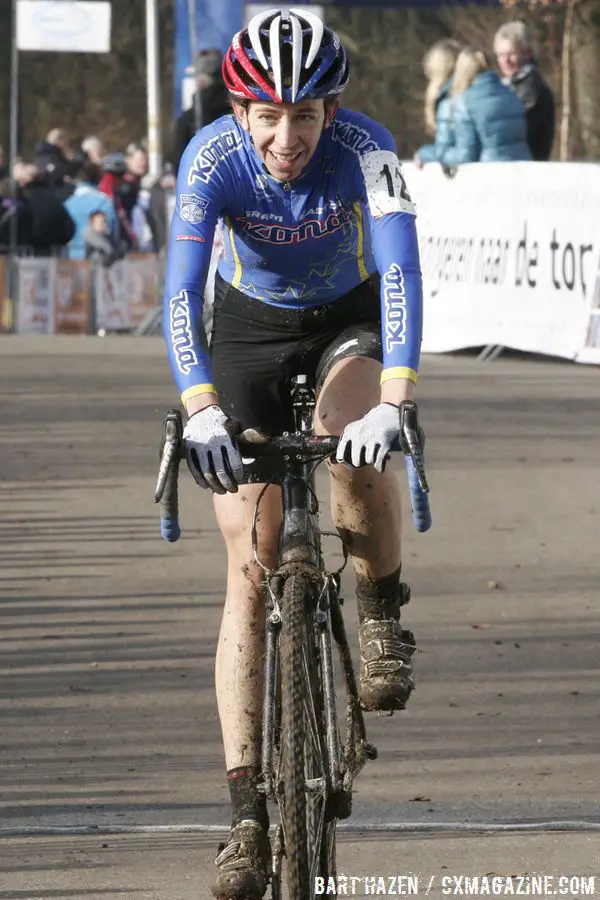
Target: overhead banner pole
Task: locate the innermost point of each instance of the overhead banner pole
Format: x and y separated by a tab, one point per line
193	27
12	154
155	158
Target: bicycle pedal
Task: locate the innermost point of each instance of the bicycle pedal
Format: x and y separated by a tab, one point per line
371	751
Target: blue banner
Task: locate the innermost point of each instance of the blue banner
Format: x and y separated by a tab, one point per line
216	23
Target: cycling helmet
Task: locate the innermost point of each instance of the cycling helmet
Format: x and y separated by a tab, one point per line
284	58
114	163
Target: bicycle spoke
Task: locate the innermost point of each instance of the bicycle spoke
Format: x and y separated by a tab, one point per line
309	706
316	850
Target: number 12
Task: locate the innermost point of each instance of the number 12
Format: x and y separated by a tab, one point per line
387	173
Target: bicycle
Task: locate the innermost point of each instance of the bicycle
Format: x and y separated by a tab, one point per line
306	769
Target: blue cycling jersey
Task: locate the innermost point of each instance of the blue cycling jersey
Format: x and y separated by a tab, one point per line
297	244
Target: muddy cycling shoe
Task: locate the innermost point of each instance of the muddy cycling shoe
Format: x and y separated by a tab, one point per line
386	675
243	863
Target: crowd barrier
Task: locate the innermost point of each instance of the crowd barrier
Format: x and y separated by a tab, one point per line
62	296
510	254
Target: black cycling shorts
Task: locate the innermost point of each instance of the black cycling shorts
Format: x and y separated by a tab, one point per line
256	348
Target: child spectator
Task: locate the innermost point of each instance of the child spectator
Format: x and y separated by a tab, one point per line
100	245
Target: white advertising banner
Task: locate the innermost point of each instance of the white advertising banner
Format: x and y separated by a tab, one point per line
510	254
75	26
111	287
35	291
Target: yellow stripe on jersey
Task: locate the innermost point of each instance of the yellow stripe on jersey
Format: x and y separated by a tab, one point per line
360	248
399	372
237	275
196	391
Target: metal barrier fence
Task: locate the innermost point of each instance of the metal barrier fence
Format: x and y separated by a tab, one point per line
53	295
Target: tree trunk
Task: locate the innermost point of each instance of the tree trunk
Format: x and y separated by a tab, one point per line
565	120
586	74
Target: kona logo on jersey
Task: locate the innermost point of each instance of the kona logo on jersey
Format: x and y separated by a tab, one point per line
307	230
264	217
210	155
353	138
394	294
182	339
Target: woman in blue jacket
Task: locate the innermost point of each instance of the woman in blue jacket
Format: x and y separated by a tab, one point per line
488	118
438	64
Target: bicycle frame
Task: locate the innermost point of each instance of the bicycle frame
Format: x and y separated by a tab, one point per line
300	551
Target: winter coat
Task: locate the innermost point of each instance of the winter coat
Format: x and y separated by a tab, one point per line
109	185
52	161
51	224
85	200
444	128
10	210
489	124
540	109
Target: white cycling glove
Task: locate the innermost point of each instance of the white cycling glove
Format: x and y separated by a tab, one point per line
211	454
369	440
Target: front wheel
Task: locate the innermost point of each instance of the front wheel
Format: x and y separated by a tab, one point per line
309	832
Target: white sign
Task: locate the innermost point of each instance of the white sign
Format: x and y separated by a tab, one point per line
63	26
510	254
35	305
112	295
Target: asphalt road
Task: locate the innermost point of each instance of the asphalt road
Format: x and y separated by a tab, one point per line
108	719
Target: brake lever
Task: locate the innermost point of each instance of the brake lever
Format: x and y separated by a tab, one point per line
412	440
171	448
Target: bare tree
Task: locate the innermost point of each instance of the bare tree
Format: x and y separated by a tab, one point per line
586	73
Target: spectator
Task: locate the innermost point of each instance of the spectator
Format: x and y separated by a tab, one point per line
211	101
11	207
439	64
489	119
136	168
93	149
51	224
140	218
86	199
158	208
100	245
114	167
53	157
513	46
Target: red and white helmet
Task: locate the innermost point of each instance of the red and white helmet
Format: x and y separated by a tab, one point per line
284	58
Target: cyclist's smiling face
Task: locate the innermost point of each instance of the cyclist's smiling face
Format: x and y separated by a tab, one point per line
285	135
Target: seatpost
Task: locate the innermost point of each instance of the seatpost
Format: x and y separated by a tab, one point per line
298	540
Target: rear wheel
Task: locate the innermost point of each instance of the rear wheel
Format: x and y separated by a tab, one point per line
309	832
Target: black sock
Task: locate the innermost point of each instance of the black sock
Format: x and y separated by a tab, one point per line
246	801
379	598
